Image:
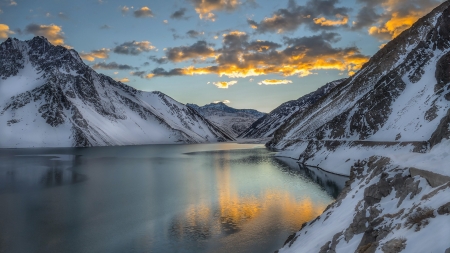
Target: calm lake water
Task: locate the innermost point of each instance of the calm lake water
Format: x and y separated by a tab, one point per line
157	198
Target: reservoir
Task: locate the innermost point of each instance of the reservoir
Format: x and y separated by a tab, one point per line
223	197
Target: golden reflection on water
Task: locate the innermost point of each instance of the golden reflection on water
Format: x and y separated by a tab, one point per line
233	210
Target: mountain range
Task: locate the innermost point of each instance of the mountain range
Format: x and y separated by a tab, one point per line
50	98
232	121
267	125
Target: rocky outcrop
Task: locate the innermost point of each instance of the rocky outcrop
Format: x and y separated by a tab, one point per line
378	211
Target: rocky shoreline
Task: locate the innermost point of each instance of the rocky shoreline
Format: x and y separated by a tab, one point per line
383	208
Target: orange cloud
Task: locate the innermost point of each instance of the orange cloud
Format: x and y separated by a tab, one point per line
123	80
99	54
274	82
224	85
239	58
205	8
4	31
143	12
322	21
52	32
398	16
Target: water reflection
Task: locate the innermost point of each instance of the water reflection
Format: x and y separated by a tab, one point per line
34	172
155	199
330	182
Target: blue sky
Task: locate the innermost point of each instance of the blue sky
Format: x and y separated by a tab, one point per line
250	53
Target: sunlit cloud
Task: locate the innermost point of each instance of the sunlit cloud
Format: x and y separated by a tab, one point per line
226	101
205	8
274	82
112	65
124	10
342	20
12	3
199	50
224	85
52	32
239	58
395	16
95	54
134	47
123	80
314	15
4	31
143	12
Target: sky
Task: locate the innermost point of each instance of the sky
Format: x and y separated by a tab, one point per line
247	53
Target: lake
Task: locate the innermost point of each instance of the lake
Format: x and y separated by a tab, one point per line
223	197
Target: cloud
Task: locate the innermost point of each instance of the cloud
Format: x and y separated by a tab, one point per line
99	54
123	80
112	65
205	8
238	57
386	19
226	101
224	85
143	12
274	82
124	10
162	60
105	27
342	20
12	3
194	34
292	17
179	14
4	31
140	74
134	47
162	72
199	50
52	32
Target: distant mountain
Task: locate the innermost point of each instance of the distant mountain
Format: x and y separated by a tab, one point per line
233	121
267	125
50	98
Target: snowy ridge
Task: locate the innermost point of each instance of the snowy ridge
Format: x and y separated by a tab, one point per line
392	139
232	121
50	98
266	126
378	102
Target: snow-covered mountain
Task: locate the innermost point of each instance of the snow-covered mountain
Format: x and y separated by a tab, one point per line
233	121
388	127
50	98
400	96
267	125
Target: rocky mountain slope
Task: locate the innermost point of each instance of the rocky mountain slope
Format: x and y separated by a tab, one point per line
267	125
388	128
401	96
232	121
50	98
